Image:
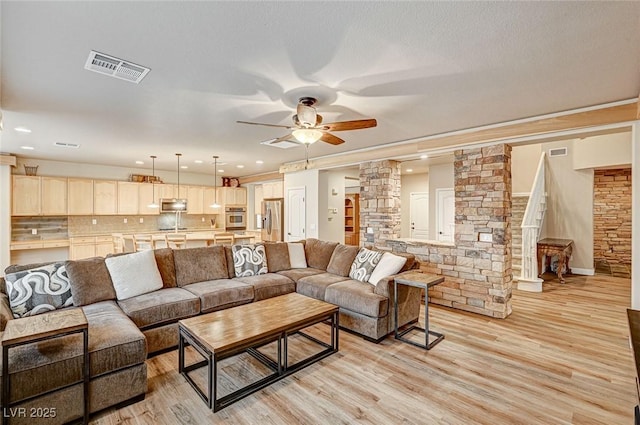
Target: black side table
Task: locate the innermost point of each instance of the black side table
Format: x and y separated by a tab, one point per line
419	280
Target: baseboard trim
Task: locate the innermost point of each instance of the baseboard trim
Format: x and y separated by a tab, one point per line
534	285
514	194
584	272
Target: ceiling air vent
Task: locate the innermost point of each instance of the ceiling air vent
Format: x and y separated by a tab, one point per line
558	152
114	67
66	145
283	144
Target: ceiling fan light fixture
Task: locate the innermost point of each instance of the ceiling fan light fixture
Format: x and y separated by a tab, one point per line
307	136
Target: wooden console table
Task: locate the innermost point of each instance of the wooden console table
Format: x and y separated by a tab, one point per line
550	247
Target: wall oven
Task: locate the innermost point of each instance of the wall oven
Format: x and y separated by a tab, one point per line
235	218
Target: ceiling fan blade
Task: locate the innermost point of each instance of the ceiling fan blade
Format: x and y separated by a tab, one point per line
350	125
331	139
259	123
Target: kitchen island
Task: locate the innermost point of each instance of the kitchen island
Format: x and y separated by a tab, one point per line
194	239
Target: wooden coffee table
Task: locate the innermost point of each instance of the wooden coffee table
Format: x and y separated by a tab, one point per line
222	334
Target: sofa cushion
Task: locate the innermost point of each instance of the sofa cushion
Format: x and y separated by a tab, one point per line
166	266
297	257
319	253
200	264
364	264
316	285
160	307
134	274
297	274
358	297
277	256
39	290
115	343
388	265
269	285
221	293
341	259
228	255
249	260
90	281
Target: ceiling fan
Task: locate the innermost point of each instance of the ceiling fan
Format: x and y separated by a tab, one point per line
308	128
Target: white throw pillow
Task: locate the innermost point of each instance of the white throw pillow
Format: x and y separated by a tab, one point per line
296	256
388	265
134	274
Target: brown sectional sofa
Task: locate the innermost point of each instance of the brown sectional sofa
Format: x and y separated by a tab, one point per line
195	281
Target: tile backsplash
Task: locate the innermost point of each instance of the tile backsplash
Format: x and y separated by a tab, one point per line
39	228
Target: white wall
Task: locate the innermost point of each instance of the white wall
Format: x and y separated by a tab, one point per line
309	179
440	177
5	216
524	164
107	172
609	150
410	183
570	205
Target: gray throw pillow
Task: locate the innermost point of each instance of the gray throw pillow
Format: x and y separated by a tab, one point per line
249	260
364	264
39	290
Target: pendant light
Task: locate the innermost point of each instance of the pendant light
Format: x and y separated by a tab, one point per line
215	182
180	203
153	184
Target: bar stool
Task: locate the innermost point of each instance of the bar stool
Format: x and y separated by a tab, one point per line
223	239
176	240
142	242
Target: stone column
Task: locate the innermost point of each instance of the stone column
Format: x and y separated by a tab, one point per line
379	201
483	208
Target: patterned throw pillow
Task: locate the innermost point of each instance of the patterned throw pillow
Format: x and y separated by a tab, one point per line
364	264
39	290
249	260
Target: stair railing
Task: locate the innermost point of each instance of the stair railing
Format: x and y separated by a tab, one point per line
531	228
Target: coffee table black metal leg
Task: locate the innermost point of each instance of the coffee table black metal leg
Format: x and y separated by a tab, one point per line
87	372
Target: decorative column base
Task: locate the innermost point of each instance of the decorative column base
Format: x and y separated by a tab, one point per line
530	285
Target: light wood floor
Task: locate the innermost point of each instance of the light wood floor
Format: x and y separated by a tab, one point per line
562	357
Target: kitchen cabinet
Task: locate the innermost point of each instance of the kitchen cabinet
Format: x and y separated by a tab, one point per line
209	199
54	195
104	246
146	196
90	246
105	200
166	191
25	194
127	198
80	196
195	199
272	190
232	196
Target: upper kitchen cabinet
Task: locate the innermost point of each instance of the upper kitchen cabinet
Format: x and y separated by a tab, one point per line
54	195
232	196
26	195
146	197
166	191
105	201
127	198
195	199
80	196
209	199
272	190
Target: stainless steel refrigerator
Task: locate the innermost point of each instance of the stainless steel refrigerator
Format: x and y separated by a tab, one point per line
272	219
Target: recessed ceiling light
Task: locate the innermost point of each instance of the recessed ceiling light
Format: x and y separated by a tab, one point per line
240	166
259	162
184	166
424	156
22	129
27	148
409	170
221	171
198	161
140	162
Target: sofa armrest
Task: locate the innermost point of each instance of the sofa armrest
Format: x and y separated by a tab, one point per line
385	285
409	300
5	311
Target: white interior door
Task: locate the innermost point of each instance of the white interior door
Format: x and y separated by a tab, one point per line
296	214
419	215
445	214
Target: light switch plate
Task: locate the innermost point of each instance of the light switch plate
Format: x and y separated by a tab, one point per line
34	231
94	221
141	220
125	221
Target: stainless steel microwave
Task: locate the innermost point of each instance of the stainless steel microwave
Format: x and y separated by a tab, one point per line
173	205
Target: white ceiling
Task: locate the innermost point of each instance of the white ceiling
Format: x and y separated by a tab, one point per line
419	68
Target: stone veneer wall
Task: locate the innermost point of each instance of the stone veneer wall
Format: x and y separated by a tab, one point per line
478	275
612	216
379	200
